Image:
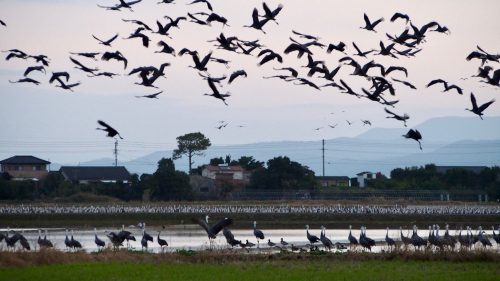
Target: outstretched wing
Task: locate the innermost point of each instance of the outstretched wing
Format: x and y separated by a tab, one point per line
485	105
418	135
102	123
367	20
216	228
97	38
473	100
202	223
390	112
436	82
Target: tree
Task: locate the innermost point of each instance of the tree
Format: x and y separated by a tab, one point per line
191	144
216	161
248	163
170	184
283	174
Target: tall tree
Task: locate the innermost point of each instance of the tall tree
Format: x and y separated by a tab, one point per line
283	174
169	183
192	144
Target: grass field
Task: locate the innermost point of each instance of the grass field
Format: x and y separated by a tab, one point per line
260	270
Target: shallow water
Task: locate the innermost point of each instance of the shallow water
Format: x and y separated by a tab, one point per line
192	237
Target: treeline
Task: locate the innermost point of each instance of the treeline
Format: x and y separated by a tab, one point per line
429	178
166	183
277	174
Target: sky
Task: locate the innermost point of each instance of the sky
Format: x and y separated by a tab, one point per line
59	125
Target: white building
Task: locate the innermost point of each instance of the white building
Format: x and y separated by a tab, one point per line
363	176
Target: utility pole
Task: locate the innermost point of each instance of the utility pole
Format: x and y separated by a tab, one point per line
323	150
116	152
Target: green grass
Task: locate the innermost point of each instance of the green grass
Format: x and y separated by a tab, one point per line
260	270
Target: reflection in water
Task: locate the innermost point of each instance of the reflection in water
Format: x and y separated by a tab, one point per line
192	237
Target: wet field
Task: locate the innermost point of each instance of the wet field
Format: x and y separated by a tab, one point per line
193	237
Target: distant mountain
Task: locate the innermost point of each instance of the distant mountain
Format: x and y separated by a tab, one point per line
446	141
445	129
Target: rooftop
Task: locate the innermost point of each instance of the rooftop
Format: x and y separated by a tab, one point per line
23	160
95	173
224	168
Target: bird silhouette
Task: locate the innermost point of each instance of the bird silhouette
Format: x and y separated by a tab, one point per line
138	34
116	56
352	240
75	243
166	48
213	230
209	6
256	22
16	53
236	74
138	22
327	243
83	67
271	14
57	76
100	244
110	130
446	85
106	42
406	83
269	55
370	26
215	92
293	72
396	68
122	4
67	86
218	18
201	65
340	47
257	233
312	238
43	59
162	242
390	242
397	117
105	74
398	15
91	55
151	96
29	69
483	56
175	22
414	135
478	110
494	79
26	80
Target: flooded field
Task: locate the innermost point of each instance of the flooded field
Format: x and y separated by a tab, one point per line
192	237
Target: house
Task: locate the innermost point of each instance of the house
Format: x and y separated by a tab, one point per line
25	167
363	176
94	174
334	181
203	187
226	173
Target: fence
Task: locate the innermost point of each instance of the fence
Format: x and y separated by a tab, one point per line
439	195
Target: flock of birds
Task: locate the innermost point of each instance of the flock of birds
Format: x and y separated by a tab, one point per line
117	239
256	209
382	79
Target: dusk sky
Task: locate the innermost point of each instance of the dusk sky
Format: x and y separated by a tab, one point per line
59	125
